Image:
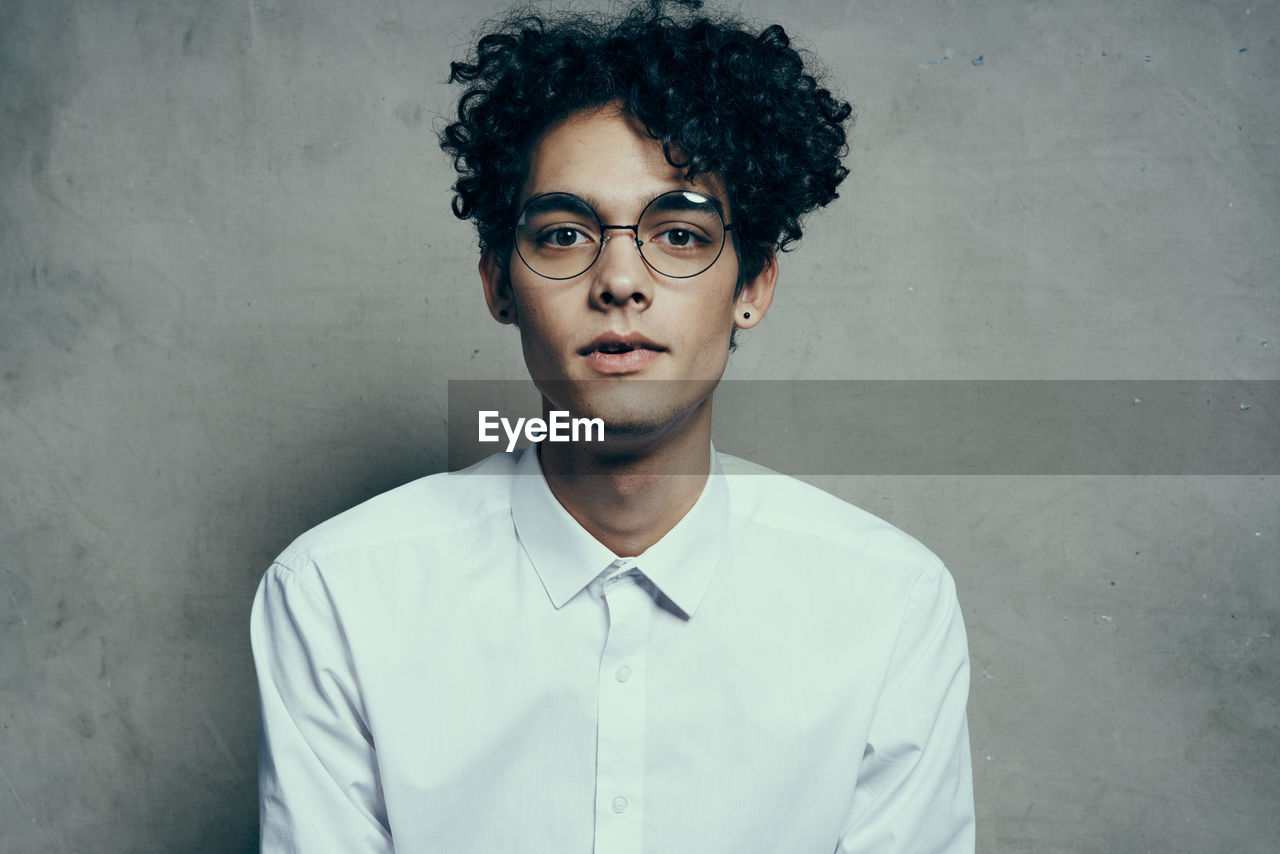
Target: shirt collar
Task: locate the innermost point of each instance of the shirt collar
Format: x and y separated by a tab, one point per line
567	558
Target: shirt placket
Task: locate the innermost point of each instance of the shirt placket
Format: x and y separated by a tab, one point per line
620	733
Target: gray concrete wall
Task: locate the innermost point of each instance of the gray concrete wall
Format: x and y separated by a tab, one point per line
232	294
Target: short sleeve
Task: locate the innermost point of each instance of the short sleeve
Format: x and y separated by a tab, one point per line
914	791
318	780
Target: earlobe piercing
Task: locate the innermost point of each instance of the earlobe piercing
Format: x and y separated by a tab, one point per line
746	315
502	313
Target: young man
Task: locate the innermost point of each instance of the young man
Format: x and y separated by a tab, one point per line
632	645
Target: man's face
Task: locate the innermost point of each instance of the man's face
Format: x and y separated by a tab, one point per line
621	341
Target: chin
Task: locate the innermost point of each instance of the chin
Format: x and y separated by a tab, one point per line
632	409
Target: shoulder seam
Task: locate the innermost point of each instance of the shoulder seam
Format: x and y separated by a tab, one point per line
929	561
310	553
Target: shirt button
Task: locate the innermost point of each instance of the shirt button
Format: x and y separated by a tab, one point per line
619	804
623	673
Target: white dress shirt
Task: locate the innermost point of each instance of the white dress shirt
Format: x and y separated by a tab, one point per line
457	666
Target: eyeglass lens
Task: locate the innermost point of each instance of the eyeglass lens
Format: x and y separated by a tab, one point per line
680	234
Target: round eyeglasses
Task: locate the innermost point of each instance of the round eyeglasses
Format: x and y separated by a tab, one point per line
680	234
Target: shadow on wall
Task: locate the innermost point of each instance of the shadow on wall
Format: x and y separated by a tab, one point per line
297	482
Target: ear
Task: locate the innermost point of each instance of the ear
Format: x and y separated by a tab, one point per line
497	289
756	295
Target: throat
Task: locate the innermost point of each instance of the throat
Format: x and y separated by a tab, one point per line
627	506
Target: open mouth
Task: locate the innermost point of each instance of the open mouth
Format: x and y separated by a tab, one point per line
615	345
621	354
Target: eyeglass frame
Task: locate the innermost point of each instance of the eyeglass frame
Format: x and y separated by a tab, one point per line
716	205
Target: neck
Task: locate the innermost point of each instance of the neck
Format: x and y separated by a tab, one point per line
629	497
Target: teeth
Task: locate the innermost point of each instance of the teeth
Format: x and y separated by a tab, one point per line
615	348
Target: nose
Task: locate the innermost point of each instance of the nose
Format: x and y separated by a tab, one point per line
621	277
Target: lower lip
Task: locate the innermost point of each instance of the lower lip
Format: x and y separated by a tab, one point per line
621	363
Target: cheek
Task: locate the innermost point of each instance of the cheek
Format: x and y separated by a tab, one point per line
542	323
715	314
546	311
719	306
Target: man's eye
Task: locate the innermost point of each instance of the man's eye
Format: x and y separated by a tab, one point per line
680	237
564	236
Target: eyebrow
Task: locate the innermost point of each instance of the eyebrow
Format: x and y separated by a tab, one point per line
680	201
557	201
562	200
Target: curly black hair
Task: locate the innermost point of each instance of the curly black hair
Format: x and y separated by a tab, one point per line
720	99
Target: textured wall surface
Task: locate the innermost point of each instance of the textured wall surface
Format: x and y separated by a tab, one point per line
232	296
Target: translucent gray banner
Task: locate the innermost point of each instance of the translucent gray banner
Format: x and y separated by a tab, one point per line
948	427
